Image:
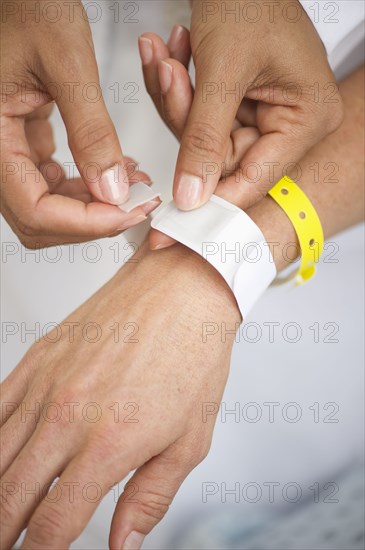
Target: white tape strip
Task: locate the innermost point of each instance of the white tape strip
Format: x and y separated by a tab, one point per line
139	193
229	240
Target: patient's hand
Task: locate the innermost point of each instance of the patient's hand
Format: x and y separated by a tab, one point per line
264	95
131	399
168	373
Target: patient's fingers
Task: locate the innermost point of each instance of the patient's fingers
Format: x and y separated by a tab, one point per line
63	515
158	76
176	94
151	490
179	45
247	112
27	480
15	433
15	386
152	49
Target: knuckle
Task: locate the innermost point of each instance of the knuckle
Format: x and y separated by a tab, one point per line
199	456
60	409
154	506
28	242
92	137
62	395
46	526
202	140
190	456
27	228
100	444
28	364
201	451
8	509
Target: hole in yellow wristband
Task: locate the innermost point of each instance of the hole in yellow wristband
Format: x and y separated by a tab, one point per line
311	242
302	215
284	191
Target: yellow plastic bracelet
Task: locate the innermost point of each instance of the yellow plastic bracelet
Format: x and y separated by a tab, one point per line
307	225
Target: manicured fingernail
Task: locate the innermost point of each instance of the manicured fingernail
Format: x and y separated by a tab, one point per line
132	222
150	206
175	35
160	246
165	76
145	50
189	192
114	185
133	541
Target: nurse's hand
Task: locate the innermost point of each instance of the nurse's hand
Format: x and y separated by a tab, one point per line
137	390
258	74
47	56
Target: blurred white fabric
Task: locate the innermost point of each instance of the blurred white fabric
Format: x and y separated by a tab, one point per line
340	25
327	371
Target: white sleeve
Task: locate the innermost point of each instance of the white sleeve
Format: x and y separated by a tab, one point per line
340	25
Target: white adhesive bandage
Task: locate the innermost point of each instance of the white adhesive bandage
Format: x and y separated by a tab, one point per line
139	193
226	238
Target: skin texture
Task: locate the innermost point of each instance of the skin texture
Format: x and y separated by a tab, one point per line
40	58
169	373
268	63
39	61
169	84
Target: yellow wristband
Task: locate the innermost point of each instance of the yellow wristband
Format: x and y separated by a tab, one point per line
307	225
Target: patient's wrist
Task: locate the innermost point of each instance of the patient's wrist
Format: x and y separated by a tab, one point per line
182	271
188	273
191	274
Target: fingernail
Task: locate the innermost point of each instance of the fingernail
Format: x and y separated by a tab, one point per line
160	246
133	541
150	206
175	35
165	76
114	185
189	192
132	222
145	50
